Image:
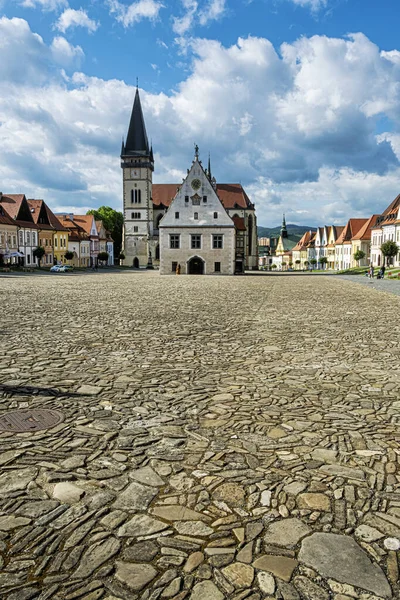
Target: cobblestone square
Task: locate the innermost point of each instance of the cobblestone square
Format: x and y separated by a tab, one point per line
223	438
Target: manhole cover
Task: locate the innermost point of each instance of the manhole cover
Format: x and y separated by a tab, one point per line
30	420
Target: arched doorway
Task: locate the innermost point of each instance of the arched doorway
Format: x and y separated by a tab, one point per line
136	263
196	266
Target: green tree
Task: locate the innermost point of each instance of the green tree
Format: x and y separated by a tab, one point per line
103	256
389	249
298	262
273	266
313	261
69	255
113	222
324	261
39	252
359	255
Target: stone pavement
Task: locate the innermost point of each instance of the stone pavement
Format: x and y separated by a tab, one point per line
392	286
223	438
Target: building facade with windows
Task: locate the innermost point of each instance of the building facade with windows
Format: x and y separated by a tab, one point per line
16	206
145	206
196	232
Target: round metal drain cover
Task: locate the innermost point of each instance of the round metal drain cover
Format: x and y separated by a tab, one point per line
30	420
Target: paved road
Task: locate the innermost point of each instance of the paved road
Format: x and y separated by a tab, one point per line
223	438
391	286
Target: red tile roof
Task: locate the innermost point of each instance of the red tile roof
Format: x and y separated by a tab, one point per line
305	241
12	203
85	221
5	218
365	232
389	215
352	227
232	195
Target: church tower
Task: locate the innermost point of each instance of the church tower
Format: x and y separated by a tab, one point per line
137	165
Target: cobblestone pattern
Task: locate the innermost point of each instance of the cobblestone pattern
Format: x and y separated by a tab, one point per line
224	438
392	286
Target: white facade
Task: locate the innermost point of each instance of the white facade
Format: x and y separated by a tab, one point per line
197	232
27	242
110	250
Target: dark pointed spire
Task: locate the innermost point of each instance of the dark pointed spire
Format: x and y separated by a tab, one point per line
209	167
137	143
122	147
151	153
284	232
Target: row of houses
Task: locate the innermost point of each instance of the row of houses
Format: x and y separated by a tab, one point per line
335	247
26	224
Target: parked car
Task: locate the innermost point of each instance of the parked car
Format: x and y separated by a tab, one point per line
68	268
58	269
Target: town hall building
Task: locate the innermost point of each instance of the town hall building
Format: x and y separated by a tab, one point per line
200	225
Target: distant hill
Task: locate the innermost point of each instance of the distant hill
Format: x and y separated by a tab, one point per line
275	231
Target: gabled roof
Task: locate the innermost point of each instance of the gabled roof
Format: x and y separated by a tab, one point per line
76	232
137	143
5	218
305	240
365	232
40	208
232	195
352	227
390	214
85	221
17	207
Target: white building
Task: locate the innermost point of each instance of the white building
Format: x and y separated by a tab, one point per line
145	204
386	229
196	232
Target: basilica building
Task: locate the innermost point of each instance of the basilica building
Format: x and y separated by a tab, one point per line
198	226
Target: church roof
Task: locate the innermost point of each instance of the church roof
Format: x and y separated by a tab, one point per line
232	195
290	242
137	143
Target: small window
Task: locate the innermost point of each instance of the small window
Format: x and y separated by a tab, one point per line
205	199
136	215
218	241
174	240
196	241
196	216
176	215
215	215
186	198
217	267
55	242
28	258
174	265
135	229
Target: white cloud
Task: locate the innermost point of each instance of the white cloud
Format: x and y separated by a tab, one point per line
298	128
75	18
213	11
50	5
315	5
66	54
135	12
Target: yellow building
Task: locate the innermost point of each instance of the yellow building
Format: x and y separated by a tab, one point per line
362	241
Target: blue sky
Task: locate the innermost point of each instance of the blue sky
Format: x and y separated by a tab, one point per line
297	99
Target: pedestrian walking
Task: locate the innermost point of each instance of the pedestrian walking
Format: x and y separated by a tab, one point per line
371	271
383	271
